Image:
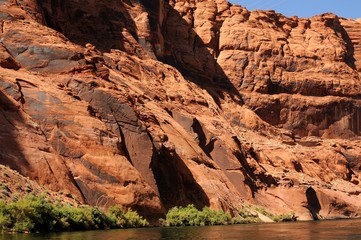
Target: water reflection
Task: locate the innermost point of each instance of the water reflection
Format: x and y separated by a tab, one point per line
336	229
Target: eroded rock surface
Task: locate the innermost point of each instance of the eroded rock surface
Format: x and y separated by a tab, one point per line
154	105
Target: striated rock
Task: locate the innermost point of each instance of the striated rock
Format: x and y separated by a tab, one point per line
157	104
280	56
38	48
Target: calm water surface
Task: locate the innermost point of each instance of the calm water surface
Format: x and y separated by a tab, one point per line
335	229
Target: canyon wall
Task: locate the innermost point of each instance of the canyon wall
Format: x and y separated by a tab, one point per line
158	104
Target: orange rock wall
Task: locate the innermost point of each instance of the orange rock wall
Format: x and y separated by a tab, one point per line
154	105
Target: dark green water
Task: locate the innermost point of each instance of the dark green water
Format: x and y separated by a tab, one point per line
335	229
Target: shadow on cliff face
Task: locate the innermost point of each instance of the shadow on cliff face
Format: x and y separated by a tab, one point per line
10	151
313	204
176	184
101	23
185	50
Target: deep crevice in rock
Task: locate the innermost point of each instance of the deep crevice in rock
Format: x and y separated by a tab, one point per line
313	203
176	184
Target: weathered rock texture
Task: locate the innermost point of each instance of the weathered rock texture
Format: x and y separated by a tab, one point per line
153	104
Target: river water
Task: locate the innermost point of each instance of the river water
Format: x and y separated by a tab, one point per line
317	230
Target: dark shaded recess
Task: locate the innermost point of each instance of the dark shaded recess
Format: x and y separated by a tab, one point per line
121	145
350	172
313	204
309	87
298	166
197	128
209	147
169	111
176	184
99	22
152	7
204	69
10	151
253	154
202	139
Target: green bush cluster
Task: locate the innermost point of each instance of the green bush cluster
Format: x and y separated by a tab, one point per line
191	216
37	214
128	219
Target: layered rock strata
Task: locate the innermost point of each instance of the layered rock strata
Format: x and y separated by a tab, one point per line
154	105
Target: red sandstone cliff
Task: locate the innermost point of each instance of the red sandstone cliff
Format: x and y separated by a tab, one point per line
153	104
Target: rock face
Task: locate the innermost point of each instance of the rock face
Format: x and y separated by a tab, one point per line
164	103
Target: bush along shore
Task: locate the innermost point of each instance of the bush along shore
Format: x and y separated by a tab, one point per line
191	216
38	214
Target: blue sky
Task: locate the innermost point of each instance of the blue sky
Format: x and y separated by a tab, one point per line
306	8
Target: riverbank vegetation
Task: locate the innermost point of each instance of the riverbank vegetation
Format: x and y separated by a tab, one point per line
191	216
38	214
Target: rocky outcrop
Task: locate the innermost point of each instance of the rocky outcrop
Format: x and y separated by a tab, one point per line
153	105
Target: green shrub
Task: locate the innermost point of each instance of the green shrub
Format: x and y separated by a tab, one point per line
37	214
30	214
213	217
5	221
182	216
130	218
191	216
75	218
